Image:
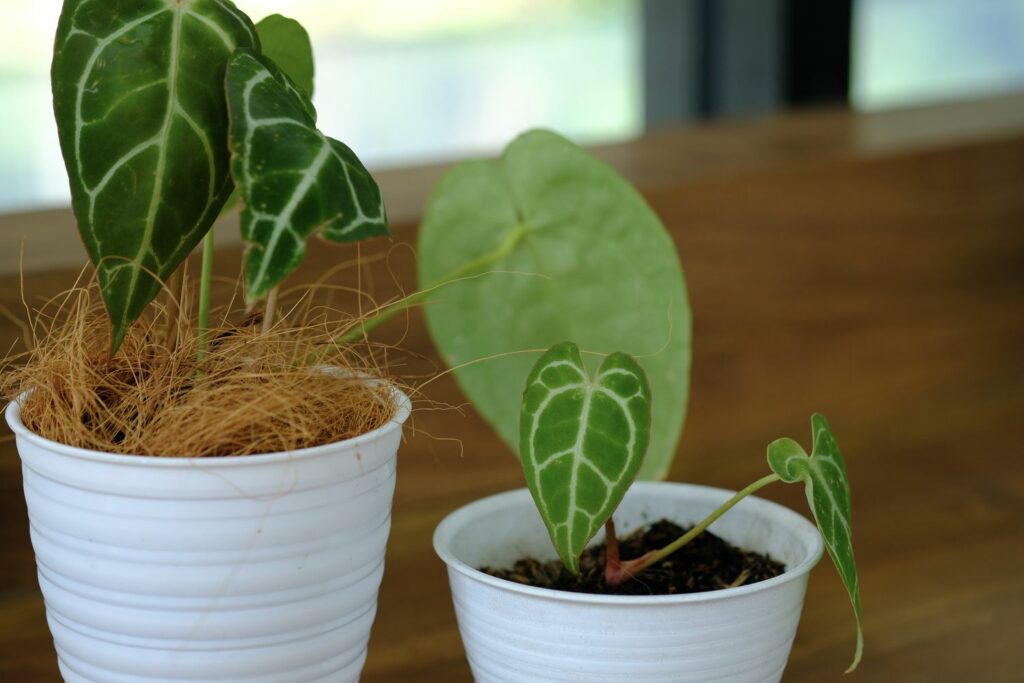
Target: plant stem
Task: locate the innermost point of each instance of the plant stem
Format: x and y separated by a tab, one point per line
205	286
270	310
631	568
612	563
173	294
474	267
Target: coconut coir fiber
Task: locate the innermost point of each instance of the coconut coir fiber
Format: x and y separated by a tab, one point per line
253	392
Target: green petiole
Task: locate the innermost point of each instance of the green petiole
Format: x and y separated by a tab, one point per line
468	269
205	296
617	572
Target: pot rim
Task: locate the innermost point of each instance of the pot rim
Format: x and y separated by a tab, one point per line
454	521
13	415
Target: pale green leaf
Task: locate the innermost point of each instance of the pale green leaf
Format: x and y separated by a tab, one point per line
828	494
566	249
293	179
138	93
582	441
286	43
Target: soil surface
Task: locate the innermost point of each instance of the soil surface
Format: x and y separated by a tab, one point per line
706	563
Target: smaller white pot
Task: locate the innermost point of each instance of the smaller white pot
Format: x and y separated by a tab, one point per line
241	569
514	633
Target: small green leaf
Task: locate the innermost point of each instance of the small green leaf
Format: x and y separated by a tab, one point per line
287	45
138	93
582	257
582	441
828	494
293	179
285	42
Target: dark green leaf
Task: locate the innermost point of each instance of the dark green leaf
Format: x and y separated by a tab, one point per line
138	92
828	494
582	441
286	43
580	256
293	179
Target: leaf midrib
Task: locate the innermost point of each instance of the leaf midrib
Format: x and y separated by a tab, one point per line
837	509
285	217
528	230
80	89
577	457
158	178
535	423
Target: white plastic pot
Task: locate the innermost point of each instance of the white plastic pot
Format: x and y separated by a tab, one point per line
515	633
260	568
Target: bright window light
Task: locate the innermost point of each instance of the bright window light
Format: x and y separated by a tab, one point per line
401	81
908	52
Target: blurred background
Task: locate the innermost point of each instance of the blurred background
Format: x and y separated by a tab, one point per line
466	76
842	179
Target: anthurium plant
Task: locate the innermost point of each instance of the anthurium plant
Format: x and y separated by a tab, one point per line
169	112
162	109
583	438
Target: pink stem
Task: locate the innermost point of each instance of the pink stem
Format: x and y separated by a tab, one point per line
612	564
615	570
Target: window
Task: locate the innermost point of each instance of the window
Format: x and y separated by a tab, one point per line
400	81
909	52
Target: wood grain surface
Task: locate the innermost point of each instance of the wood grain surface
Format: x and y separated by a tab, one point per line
883	287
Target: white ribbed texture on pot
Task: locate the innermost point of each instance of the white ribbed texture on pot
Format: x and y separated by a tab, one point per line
514	633
262	569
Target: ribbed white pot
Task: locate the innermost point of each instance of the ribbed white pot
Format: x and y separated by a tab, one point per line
516	633
260	568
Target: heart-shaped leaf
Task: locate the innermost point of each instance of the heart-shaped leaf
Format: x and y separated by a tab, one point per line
582	441
828	494
567	249
138	93
293	179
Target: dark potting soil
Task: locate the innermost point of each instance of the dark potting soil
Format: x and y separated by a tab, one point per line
706	563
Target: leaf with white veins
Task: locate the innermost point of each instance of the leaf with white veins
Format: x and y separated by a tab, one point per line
286	43
582	441
293	179
138	94
828	494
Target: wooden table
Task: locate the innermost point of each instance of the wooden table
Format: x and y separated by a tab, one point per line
870	267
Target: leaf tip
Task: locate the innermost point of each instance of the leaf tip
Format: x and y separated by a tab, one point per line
818	420
117	335
858	653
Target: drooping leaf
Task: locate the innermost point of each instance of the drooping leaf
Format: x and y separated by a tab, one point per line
828	494
582	441
293	179
138	93
587	260
286	43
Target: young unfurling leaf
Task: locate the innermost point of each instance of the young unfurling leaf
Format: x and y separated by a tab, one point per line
828	494
293	179
582	441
